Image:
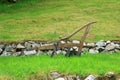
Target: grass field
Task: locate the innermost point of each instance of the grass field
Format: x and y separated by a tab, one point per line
50	19
22	67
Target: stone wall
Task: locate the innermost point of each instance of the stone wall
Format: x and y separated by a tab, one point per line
56	75
31	48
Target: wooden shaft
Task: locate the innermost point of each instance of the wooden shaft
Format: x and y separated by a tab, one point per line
66	45
83	39
69	36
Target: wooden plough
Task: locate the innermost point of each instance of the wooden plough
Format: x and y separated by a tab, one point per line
57	45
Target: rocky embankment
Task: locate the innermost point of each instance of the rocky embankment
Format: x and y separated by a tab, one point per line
32	48
55	75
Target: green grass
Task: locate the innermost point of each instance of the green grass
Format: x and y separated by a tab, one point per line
35	19
51	19
22	67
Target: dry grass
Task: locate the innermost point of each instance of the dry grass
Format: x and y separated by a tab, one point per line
60	18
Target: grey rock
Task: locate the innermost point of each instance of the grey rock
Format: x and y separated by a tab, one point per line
17	53
58	51
101	44
108	52
91	77
39	52
49	52
110	76
55	74
35	45
20	46
105	51
1	50
71	77
71	49
62	42
75	48
31	42
85	49
110	46
84	44
63	52
75	41
111	52
117	50
5	53
93	51
32	52
77	77
2	45
117	46
100	49
68	42
108	42
91	44
13	45
8	48
28	46
60	78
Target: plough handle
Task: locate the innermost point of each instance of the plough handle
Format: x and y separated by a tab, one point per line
69	36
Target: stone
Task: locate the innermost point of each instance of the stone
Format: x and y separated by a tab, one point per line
75	48
100	49
101	44
60	78
62	42
117	46
49	52
35	45
31	42
84	44
117	50
17	53
91	44
71	77
2	45
108	42
39	52
5	53
110	75
77	77
28	46
111	52
32	52
68	42
55	74
58	52
1	50
93	51
84	49
75	41
63	52
19	46
110	46
13	45
8	48
90	77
